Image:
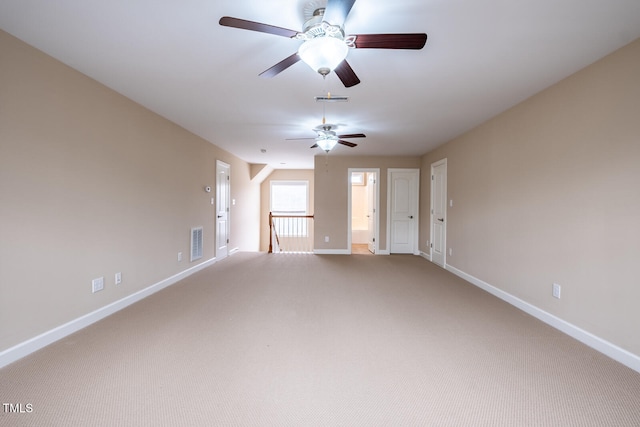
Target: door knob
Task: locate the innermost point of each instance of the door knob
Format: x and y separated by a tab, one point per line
219	216
441	219
410	216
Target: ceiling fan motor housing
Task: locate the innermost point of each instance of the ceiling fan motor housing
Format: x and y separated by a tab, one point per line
316	27
314	21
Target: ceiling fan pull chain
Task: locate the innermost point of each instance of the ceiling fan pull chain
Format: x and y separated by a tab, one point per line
324	116
324	107
324	104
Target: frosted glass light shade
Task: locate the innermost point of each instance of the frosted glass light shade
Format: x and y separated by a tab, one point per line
323	54
326	143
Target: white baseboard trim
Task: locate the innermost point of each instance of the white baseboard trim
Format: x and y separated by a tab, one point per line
29	346
425	255
616	353
332	251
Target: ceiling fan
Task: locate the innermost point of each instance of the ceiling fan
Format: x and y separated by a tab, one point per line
325	45
327	137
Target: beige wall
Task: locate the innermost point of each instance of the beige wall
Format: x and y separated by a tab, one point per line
332	200
265	197
549	191
92	184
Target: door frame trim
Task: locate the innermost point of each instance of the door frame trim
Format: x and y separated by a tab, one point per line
416	239
376	226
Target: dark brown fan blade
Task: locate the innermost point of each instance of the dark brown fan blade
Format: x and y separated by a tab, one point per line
390	41
314	146
346	74
347	143
243	24
337	10
281	66
353	135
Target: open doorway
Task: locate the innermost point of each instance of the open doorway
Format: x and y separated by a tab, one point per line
363	210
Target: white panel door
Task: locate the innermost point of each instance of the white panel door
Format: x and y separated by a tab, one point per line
439	212
223	183
403	210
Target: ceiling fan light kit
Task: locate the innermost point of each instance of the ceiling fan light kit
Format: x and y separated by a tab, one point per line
323	54
324	46
326	143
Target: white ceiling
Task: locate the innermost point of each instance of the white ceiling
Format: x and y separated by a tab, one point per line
481	57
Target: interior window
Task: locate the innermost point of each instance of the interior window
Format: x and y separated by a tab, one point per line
289	197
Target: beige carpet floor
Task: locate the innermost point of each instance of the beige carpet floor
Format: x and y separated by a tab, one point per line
309	340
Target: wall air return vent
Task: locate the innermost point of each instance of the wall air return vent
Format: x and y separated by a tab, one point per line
332	98
196	243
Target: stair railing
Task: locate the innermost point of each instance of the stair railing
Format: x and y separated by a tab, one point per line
290	233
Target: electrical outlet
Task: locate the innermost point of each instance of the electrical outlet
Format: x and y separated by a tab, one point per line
179	256
97	284
326	239
450	251
556	291
118	278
